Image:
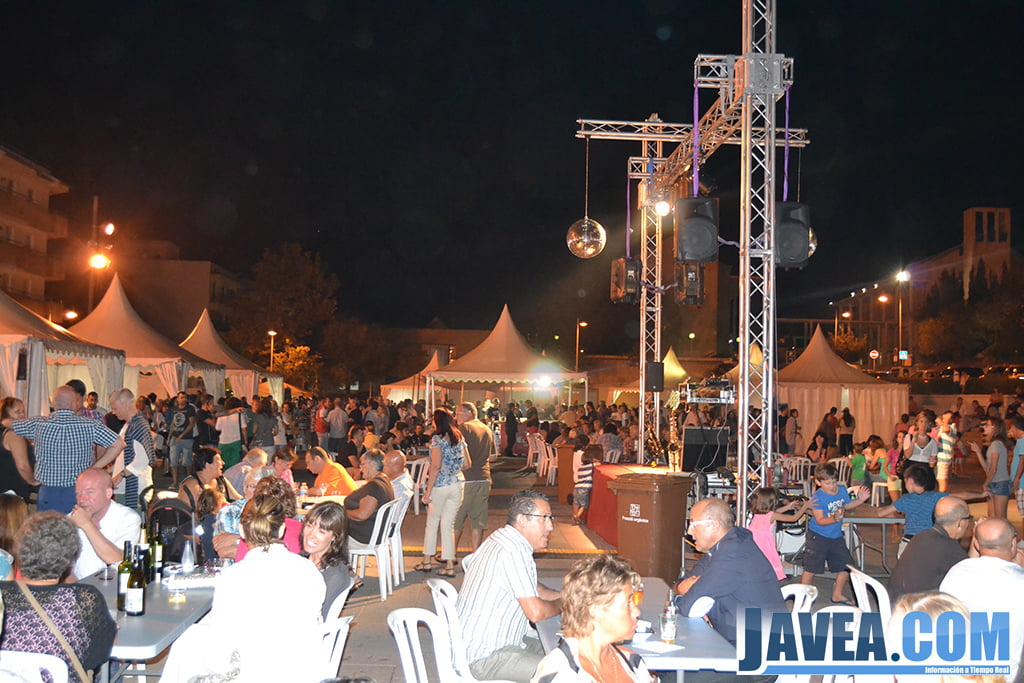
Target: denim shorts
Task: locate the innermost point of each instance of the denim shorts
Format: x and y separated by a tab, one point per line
999	488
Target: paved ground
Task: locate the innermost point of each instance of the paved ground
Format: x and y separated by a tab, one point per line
371	652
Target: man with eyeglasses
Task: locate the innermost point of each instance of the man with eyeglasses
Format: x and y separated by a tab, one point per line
501	594
994	580
733	571
930	553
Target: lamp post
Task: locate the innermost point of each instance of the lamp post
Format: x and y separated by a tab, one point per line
579	324
272	334
901	277
97	260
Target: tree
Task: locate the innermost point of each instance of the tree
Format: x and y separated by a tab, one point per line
291	293
357	351
850	347
299	365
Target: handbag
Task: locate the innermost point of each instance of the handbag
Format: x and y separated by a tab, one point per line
75	662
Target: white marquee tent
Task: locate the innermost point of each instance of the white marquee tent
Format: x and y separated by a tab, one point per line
115	323
819	379
413	387
244	375
52	356
503	358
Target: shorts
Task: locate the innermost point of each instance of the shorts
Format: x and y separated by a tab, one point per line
999	488
819	550
475	497
894	484
581	497
180	453
942	470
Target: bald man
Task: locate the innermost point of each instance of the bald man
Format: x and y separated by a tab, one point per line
733	570
401	481
64	448
132	473
103	525
931	552
994	580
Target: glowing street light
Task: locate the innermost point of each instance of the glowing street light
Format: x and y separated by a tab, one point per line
99	262
272	334
579	324
901	277
70	315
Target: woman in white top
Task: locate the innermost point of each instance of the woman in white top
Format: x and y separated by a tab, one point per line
598	611
265	621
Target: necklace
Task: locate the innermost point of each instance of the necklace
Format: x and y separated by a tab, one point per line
600	669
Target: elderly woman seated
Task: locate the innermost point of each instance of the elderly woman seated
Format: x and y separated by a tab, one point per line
46	547
597	612
209	473
265	621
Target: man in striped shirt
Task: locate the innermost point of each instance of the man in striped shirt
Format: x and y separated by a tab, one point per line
501	594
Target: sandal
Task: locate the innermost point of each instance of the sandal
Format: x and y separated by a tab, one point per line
425	567
439	559
450	573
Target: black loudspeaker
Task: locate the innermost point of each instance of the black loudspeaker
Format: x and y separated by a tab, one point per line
22	371
696	234
625	281
704	448
690	281
655	378
792	239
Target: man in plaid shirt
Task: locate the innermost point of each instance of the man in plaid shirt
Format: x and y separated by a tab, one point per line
64	448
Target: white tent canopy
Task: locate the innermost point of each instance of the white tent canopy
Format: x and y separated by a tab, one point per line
413	387
675	374
819	379
52	357
115	323
244	375
503	358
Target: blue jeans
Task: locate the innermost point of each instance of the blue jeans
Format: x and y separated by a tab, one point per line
59	498
181	453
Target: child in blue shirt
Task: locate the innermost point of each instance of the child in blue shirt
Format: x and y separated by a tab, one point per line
824	543
917	505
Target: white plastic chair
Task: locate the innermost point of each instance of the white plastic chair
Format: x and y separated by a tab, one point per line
418	470
801	471
379	546
534	453
404	624
445	598
551	463
338	604
863	587
803	596
27	665
335	632
613	455
395	542
843	467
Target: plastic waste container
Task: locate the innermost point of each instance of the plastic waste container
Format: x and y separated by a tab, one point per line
651	518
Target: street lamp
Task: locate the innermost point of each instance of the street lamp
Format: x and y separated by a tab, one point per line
579	324
901	277
272	334
98	260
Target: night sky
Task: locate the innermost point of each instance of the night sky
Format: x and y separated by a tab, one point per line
427	150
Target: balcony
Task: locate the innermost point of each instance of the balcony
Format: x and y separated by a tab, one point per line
39	217
34	262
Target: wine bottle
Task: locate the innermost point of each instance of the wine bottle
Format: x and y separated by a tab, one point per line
124	570
156	546
135	596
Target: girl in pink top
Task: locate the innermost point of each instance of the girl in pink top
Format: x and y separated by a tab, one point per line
765	511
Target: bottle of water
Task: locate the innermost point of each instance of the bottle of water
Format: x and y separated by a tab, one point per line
303	492
188	558
668	620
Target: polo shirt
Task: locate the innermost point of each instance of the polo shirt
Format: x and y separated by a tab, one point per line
924	562
380	488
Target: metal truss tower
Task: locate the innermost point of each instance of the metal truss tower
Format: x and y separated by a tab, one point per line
749	86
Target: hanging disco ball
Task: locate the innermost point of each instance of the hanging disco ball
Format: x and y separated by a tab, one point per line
586	238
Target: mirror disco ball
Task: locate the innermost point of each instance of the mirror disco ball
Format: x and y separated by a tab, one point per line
586	238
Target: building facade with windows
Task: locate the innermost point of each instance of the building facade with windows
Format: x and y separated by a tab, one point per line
27	224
